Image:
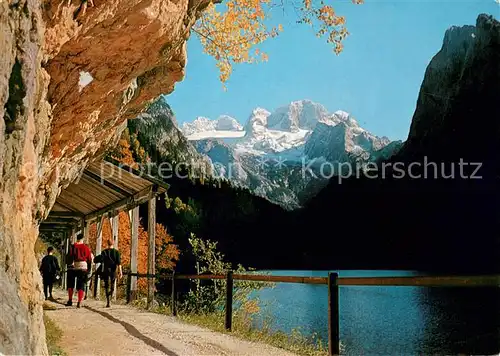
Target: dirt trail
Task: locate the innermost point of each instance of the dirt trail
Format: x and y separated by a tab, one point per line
123	330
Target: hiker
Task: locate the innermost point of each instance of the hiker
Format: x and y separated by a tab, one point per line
110	261
49	268
79	264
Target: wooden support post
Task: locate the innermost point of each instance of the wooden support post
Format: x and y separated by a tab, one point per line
81	226
174	299
86	232
151	249
333	315
63	262
114	227
73	236
98	249
229	300
134	250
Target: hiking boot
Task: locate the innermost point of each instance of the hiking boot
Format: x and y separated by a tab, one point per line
69	303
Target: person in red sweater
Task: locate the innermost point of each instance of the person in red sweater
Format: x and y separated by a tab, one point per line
79	264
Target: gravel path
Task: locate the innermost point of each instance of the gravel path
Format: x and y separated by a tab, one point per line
123	330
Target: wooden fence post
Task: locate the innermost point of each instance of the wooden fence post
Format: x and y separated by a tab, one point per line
129	286
333	315
174	299
229	300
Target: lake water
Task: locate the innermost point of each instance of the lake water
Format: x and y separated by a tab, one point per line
390	320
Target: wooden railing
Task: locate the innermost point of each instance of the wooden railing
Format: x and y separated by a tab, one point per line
333	282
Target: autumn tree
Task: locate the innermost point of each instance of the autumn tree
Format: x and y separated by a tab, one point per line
231	32
166	256
130	152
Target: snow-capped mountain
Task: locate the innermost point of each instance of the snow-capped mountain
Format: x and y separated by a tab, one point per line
202	127
340	136
303	128
269	153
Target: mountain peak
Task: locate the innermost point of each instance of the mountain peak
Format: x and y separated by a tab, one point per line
203	124
227	123
260	111
301	114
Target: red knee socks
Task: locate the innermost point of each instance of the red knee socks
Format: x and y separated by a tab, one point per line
70	294
80	295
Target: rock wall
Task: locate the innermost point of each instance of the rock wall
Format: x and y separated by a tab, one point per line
434	206
456	114
69	80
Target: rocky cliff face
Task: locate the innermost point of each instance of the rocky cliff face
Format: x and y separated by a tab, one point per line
157	131
69	80
436	202
455	102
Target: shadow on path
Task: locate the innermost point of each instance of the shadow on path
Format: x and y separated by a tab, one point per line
58	301
134	332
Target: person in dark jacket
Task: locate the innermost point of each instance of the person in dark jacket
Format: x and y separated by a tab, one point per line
49	268
111	262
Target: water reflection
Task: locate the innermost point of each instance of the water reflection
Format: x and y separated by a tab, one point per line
462	320
391	320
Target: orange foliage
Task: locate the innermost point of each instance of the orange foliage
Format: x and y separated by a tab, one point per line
123	153
232	31
167	254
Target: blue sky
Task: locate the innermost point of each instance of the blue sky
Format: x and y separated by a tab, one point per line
376	78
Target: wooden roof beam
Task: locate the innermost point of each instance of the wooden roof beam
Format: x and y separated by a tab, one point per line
143	175
65	214
127	203
58	201
52	220
54	227
106	183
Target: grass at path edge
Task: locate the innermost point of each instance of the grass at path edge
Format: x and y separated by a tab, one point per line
53	335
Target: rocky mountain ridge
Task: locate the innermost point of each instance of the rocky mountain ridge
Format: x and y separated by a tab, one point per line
271	156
